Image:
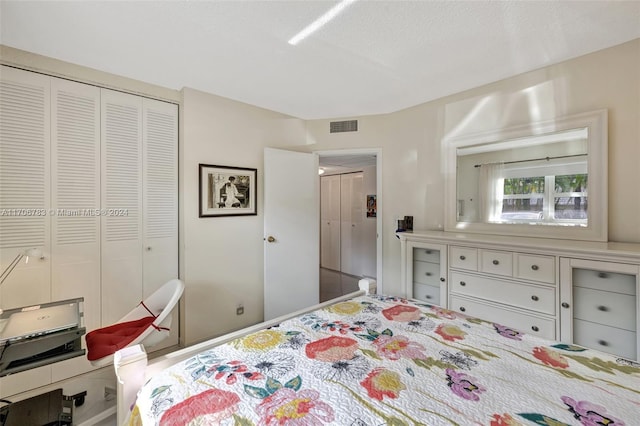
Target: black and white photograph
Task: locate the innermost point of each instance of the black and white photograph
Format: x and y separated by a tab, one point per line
227	191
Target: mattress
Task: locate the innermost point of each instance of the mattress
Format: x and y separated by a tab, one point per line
376	360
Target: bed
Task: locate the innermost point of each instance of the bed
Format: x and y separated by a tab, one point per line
375	360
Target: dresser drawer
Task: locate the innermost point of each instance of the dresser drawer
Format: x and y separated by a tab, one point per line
606	339
535	268
607	308
427	293
426	254
496	262
536	298
527	323
426	273
607	281
463	258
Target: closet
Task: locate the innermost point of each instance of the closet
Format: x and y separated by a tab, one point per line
344	237
89	177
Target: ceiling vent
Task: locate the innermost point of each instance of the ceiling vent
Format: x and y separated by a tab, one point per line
343	126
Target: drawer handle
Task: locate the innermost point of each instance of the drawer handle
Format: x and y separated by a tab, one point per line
602	275
428	274
603	343
462	283
534	267
603	308
462	257
495	262
462	309
442	279
535	298
428	251
565	305
535	328
427	297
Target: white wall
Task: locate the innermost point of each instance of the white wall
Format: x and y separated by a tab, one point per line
412	170
223	256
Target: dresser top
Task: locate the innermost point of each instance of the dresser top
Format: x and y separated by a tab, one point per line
622	251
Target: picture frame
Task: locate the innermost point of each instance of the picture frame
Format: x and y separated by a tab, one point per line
227	191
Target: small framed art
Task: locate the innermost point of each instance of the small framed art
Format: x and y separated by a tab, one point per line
227	191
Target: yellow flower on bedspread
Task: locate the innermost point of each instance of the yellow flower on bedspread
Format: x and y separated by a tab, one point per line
286	406
262	341
346	308
382	382
450	332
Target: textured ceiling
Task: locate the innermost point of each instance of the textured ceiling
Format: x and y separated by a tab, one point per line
376	57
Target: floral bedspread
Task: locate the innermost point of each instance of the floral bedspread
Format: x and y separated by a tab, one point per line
377	360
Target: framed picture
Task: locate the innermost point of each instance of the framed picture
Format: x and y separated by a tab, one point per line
227	191
372	207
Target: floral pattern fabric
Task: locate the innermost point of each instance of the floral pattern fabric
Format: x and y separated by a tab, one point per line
377	360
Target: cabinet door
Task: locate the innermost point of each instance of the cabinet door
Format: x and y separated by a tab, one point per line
121	117
24	185
599	303
426	272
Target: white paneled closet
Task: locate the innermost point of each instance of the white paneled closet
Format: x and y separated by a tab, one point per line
89	176
330	222
344	235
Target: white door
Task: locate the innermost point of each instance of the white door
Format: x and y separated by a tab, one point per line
330	222
291	227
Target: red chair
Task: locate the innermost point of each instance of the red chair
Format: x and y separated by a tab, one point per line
147	324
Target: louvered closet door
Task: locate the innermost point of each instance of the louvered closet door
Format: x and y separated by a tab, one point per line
24	185
160	201
121	194
160	193
75	196
75	201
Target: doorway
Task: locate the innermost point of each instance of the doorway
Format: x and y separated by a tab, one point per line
350	227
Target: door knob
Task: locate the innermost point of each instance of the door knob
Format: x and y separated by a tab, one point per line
271	239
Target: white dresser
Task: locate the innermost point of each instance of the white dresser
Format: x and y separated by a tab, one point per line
574	291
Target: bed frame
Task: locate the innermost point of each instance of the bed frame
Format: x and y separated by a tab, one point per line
133	368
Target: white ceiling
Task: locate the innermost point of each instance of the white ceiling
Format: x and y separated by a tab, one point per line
376	57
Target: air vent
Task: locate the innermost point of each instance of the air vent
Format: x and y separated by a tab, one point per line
343	126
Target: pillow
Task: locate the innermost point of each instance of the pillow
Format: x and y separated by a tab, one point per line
107	340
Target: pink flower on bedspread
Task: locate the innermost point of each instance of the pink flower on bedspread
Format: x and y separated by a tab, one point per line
504	420
287	407
590	414
445	313
507	332
450	332
396	347
549	357
382	382
215	404
332	349
402	313
464	385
